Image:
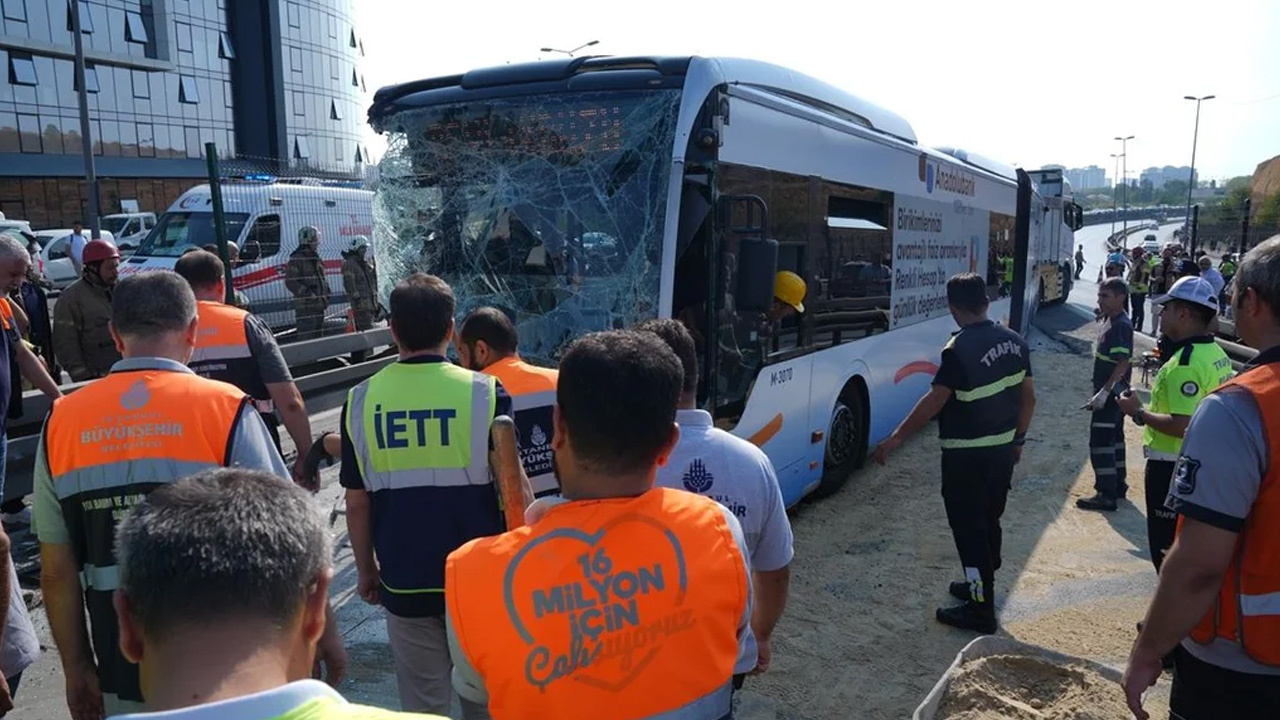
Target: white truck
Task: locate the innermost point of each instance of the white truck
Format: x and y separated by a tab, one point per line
264	215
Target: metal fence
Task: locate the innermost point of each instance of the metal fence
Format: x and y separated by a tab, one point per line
298	241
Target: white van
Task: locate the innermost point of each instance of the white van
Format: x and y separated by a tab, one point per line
268	214
129	228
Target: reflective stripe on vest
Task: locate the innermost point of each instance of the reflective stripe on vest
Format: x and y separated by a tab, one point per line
110	444
981	442
422	426
1247	609
533	395
627	603
222	351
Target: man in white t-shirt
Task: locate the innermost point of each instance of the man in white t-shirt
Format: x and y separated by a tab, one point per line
77	241
709	461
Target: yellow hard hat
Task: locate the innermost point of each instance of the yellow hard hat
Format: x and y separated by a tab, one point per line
790	289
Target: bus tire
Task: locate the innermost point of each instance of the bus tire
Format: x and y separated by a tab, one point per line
846	447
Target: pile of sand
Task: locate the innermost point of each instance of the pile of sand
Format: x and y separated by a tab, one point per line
1020	687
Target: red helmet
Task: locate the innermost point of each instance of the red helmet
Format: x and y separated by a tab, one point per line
99	250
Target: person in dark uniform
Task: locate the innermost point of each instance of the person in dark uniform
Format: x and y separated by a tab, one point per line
984	398
1111	374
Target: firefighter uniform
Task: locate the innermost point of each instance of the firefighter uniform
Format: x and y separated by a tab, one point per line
149	422
415	437
1228	477
533	395
625	607
237	348
1196	367
983	365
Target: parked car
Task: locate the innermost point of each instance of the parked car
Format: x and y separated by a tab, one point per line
55	256
129	229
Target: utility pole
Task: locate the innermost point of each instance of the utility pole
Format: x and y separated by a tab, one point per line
1124	177
1114	196
86	140
1191	183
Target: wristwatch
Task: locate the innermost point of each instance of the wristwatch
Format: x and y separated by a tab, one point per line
1140	417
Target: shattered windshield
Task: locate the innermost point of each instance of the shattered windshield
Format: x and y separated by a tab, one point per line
549	207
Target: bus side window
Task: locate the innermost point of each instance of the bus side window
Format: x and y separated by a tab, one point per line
266	233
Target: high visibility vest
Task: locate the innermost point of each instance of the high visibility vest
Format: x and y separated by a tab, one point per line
222	352
421	438
1247	609
1195	368
533	395
110	444
624	608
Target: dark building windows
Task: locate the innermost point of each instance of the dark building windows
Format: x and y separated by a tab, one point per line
225	50
86	20
334	112
301	151
135	30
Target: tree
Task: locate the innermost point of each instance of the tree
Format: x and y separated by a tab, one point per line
1174	192
1242	181
1267	219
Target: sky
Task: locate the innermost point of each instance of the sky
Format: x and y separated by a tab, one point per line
1027	83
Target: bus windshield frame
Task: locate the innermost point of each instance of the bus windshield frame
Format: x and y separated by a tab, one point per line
549	206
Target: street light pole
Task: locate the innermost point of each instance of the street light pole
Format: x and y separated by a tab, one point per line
570	52
1195	136
1124	177
1114	197
86	140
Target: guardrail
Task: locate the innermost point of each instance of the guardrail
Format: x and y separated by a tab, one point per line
319	390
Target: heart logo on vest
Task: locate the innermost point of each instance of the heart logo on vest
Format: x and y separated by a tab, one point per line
598	607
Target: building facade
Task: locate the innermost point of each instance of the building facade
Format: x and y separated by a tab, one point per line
277	80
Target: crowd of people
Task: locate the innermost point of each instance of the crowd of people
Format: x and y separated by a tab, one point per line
544	542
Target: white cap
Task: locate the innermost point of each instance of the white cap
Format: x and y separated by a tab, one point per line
1191	289
358	242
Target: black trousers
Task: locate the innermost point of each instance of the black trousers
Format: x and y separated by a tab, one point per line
1162	523
1107	451
1207	692
1138	309
975	486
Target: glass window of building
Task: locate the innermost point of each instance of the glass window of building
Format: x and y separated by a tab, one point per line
135	31
15	10
86	20
187	92
355	78
184	36
225	51
141	84
295	60
299	104
295	15
22	69
354	42
334	112
301	151
90	79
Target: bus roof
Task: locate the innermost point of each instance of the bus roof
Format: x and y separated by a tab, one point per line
603	72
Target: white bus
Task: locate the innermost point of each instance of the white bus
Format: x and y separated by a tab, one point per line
1055	246
592	193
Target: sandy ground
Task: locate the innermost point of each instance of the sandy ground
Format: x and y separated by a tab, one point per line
858	639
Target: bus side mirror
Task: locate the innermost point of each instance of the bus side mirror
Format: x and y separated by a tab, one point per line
1077	217
757	265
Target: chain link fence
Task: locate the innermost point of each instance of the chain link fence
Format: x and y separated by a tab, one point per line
298	242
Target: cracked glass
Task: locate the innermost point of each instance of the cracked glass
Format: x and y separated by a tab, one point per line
549	207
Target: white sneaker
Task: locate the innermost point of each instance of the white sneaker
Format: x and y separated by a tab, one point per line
22	517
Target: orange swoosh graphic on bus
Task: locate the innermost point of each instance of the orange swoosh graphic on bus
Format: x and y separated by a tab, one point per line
766	433
912	368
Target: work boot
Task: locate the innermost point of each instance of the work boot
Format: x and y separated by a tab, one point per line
1097	502
959	590
979	618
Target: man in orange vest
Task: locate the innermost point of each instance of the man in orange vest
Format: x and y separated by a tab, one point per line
618	600
1218	601
236	347
487	342
105	447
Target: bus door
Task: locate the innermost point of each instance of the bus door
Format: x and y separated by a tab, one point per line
762	373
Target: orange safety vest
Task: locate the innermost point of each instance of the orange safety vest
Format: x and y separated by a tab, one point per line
222	352
6	314
107	446
1247	609
624	608
533	395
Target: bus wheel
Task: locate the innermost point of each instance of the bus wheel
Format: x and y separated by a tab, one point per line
846	441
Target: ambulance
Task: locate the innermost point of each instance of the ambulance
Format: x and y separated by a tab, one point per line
262	218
